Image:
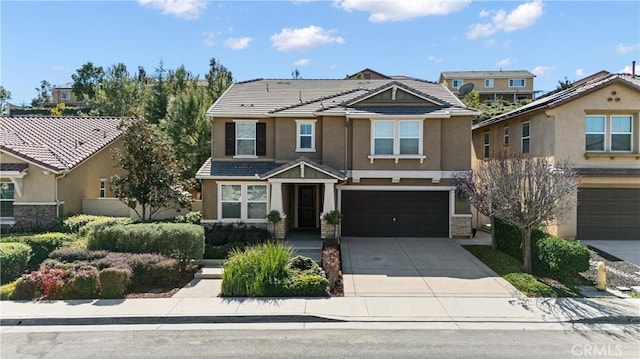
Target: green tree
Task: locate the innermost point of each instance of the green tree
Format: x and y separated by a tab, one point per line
564	84
44	94
472	99
218	79
156	105
295	74
188	128
119	94
5	96
152	173
85	81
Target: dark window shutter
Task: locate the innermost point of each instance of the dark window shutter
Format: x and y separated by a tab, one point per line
261	139
229	139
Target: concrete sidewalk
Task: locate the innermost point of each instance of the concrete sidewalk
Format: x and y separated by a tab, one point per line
472	312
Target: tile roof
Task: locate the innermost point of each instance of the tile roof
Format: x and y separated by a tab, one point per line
609	171
324	168
235	168
273	97
57	143
485	74
561	97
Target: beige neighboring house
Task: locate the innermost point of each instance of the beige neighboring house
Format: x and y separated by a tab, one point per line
64	94
596	126
384	152
52	166
510	86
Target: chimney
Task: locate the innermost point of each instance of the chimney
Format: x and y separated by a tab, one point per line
633	68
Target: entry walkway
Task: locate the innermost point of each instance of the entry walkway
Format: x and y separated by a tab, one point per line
427	267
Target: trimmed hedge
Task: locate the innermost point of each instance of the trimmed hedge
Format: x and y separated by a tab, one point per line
42	244
561	258
181	241
13	260
114	282
222	239
82	224
509	239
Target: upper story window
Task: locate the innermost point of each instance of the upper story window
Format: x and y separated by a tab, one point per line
6	199
457	83
486	139
396	137
65	95
488	83
103	188
516	83
505	132
305	138
245	138
243	202
614	136
526	137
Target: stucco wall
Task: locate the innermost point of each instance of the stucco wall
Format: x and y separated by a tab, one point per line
37	186
209	200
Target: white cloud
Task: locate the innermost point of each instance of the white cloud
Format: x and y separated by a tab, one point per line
209	38
484	13
522	17
57	68
304	39
490	42
185	9
505	62
580	72
302	62
627	70
236	43
434	58
398	10
542	71
625	49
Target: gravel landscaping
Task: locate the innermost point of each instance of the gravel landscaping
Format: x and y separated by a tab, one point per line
620	273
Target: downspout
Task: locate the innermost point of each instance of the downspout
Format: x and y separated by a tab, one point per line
55	190
346	144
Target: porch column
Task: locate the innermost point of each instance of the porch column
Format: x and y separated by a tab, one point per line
329	198
276	197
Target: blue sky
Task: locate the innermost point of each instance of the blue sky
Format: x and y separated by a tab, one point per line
49	40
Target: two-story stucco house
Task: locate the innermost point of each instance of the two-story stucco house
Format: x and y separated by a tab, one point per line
594	125
384	152
52	166
510	86
64	94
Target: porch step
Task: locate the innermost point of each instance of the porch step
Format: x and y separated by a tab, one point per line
209	273
486	228
213	262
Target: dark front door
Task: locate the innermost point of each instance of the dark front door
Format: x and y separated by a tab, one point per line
307	206
395	213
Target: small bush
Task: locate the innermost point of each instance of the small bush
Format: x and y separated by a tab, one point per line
305	264
562	259
332	267
82	224
6	291
13	260
191	217
307	285
47	282
181	241
101	222
82	284
220	234
114	282
76	254
74	223
42	244
509	239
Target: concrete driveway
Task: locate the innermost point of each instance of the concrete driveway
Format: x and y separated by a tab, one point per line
627	250
430	267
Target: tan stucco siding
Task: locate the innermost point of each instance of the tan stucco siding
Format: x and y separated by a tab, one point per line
285	134
37	186
570	125
84	180
209	199
333	141
218	137
455	140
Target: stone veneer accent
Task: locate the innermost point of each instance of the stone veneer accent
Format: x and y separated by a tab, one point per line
461	226
279	230
327	230
34	217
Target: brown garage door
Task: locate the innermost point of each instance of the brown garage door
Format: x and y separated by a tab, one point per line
608	213
395	214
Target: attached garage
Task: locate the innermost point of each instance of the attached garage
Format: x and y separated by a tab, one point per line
608	213
395	213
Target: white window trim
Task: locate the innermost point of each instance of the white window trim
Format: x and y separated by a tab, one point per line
313	135
102	192
453	83
611	133
396	156
604	134
486	144
523	137
491	83
524	82
255	139
9	220
243	202
505	135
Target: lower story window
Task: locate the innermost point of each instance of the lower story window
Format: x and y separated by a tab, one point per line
243	201
6	199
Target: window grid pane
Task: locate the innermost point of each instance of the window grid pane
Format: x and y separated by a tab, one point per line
595	133
383	129
6	199
383	146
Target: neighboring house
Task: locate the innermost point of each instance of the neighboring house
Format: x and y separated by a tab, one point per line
368	74
64	94
510	86
383	152
595	125
52	166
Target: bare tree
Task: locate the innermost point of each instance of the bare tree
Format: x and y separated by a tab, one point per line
475	187
524	191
